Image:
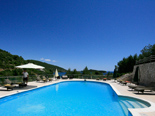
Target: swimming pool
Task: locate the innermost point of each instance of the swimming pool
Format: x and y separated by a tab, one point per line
72	98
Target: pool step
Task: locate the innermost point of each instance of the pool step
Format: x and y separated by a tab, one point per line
125	103
133	104
124	108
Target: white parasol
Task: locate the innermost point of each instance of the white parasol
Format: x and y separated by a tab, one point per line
30	65
56	73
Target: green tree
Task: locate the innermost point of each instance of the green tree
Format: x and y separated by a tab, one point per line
153	50
126	64
108	74
75	71
98	73
69	71
86	71
146	51
115	72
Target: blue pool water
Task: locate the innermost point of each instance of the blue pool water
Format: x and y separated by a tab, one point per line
77	98
64	99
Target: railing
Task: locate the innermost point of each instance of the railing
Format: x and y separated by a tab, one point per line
15	79
146	60
80	76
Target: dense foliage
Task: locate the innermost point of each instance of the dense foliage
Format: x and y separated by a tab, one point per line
126	64
85	71
9	61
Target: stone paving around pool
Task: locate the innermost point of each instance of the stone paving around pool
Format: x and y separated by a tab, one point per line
120	90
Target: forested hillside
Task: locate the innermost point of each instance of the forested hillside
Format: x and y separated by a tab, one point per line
48	67
9	61
126	64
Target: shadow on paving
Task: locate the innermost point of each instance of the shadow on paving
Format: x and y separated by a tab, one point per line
19	88
24	88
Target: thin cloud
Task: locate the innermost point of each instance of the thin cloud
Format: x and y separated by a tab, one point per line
41	58
53	60
48	60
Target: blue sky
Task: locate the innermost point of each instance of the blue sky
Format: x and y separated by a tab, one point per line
77	33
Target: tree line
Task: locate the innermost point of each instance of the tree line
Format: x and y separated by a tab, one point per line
85	71
126	64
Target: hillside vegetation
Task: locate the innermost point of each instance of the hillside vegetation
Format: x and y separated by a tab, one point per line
9	61
126	64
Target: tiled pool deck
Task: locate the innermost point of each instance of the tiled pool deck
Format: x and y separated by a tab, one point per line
120	90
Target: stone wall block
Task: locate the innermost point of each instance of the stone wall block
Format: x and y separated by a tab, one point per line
146	73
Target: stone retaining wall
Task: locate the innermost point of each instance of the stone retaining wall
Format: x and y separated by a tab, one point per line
146	73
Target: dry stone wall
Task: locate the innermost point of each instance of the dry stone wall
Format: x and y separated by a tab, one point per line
146	73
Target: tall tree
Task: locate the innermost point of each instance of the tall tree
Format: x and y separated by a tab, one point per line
115	72
86	71
153	50
75	72
146	51
69	71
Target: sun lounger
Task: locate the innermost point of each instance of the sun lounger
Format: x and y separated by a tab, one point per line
151	87
17	83
120	81
139	89
142	88
50	79
38	78
64	77
7	81
22	85
9	86
123	82
58	77
132	86
44	79
70	77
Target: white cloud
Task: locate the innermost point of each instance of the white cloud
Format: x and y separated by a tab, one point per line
48	60
53	60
